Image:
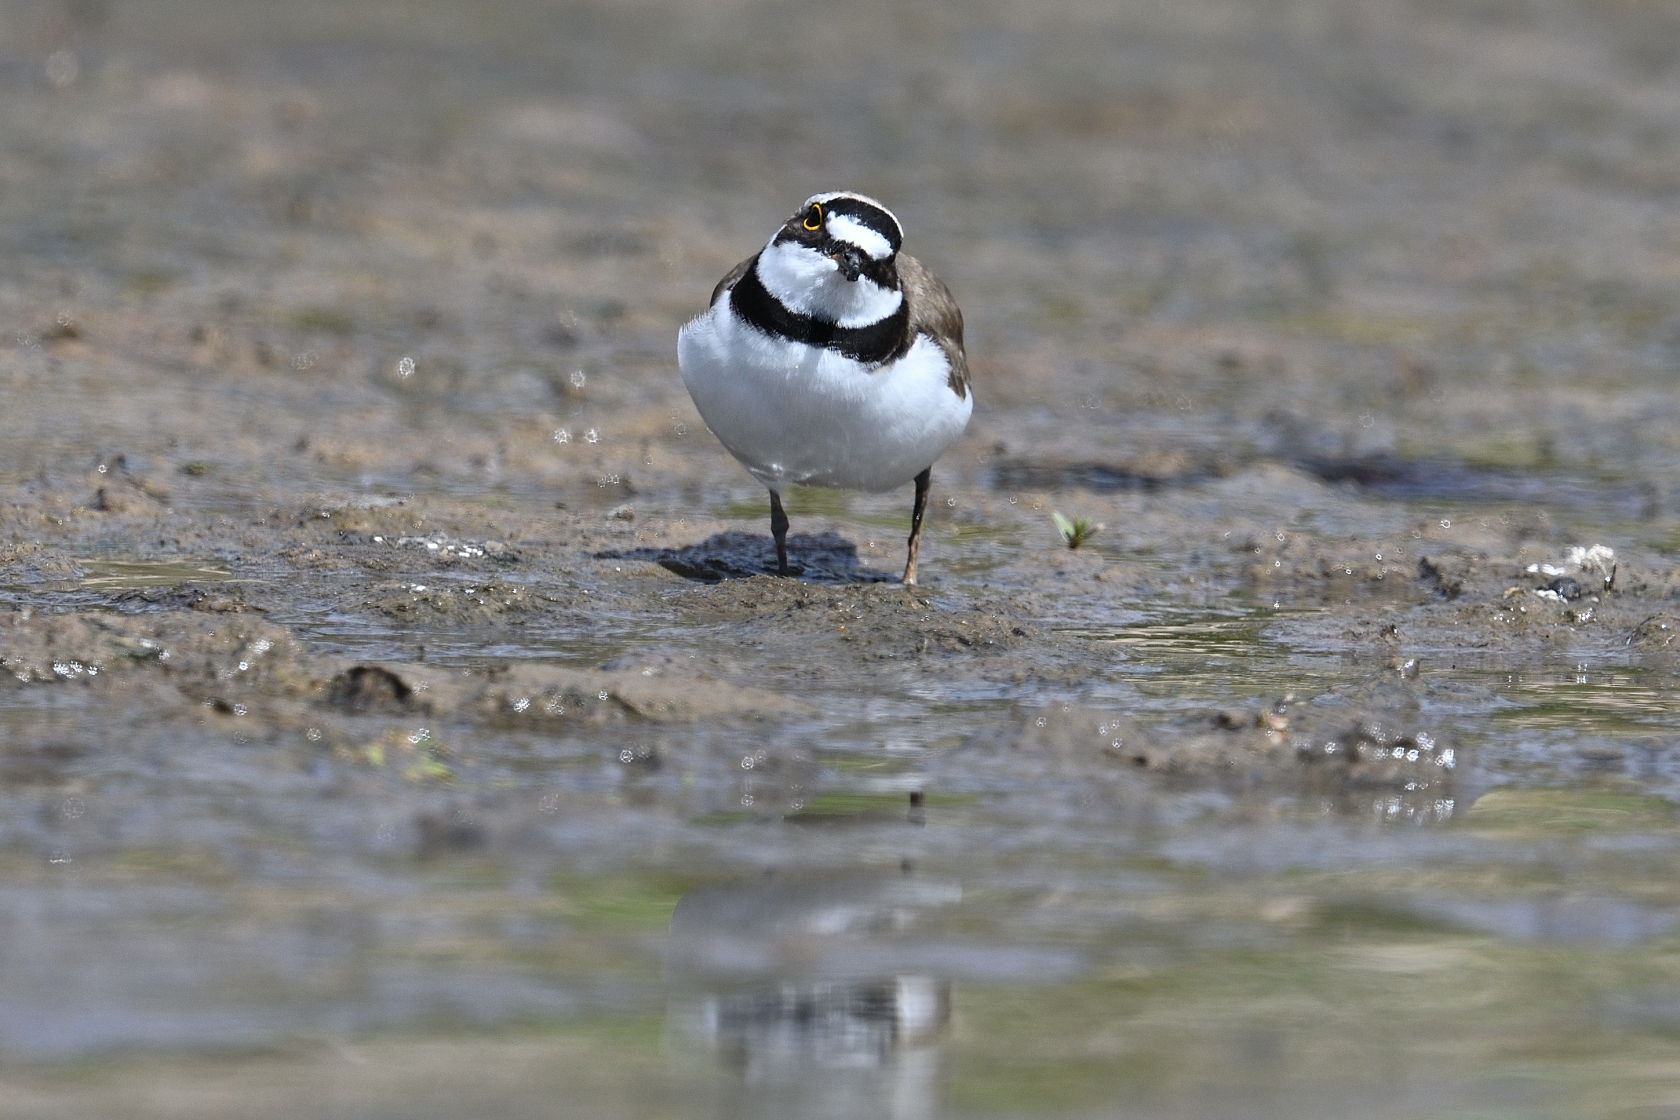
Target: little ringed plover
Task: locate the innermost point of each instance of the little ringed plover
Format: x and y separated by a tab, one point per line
830	358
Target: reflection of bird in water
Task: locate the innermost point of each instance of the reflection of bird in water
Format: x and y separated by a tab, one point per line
789	998
829	358
850	1023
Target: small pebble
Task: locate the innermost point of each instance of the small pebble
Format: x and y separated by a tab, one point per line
1565	588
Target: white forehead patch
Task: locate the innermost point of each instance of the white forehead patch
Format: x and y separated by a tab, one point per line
847	228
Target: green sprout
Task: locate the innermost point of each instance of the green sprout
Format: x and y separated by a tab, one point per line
1075	532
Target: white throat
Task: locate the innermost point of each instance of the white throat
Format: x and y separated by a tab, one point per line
808	283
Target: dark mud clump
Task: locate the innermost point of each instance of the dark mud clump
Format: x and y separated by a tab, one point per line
547	697
1655	642
203	656
34	563
1344	745
363	688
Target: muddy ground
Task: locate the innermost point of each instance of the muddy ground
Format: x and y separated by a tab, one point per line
398	718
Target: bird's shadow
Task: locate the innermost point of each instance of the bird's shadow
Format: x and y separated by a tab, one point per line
825	557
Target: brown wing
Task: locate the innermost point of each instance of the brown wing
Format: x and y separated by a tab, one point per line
934	312
731	279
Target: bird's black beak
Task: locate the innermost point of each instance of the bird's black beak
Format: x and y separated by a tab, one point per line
850	260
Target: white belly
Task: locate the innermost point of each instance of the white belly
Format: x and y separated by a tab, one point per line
795	414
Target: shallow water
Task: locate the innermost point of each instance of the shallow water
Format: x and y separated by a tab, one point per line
398	719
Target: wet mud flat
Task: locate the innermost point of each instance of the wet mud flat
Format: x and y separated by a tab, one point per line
397	716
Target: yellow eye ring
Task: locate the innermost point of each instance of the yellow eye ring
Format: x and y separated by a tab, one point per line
813	220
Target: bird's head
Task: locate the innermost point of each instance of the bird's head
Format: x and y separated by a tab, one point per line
859	235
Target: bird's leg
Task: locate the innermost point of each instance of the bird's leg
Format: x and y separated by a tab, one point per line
778	529
920	508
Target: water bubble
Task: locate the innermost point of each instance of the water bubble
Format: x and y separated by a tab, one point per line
950	501
240	709
1446	523
522	703
550	803
746	762
626	755
384	833
602	695
405	367
59	855
74	807
102	468
746	800
420	736
303	361
561	435
65	319
1366	420
313	734
592	436
61	68
1039	722
577	379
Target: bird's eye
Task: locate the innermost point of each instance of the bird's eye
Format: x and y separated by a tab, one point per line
813	218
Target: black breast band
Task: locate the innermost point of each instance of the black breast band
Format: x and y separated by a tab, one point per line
873	344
